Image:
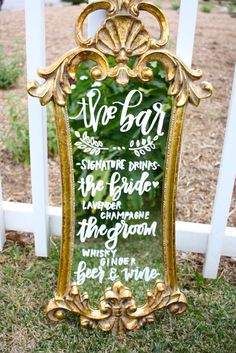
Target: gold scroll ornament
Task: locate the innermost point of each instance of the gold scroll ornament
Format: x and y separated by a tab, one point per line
122	36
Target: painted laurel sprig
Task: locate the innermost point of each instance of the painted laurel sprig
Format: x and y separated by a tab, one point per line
143	146
89	144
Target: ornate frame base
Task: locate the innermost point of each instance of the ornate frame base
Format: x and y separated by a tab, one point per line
117	309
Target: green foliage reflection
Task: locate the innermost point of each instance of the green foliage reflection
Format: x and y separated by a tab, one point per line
154	91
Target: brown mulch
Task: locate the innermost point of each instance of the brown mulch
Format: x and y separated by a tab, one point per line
227	267
214	52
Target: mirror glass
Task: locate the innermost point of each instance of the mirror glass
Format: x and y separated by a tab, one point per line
118	137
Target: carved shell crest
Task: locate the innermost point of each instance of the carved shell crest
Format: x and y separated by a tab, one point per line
122	33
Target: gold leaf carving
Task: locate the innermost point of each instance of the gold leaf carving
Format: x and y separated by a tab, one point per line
181	78
59	77
117	310
122	33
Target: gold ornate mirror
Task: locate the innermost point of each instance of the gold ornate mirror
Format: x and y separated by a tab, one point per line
120	100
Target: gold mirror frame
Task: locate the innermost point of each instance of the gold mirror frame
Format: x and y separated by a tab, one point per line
122	35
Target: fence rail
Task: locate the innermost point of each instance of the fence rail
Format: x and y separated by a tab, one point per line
213	239
189	236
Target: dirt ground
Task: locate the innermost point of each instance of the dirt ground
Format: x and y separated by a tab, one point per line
214	52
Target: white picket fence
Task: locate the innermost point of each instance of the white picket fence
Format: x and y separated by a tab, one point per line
214	240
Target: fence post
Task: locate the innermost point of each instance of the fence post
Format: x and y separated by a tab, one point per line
224	192
186	30
2	221
95	20
35	51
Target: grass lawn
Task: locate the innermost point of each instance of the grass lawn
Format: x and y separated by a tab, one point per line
28	282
